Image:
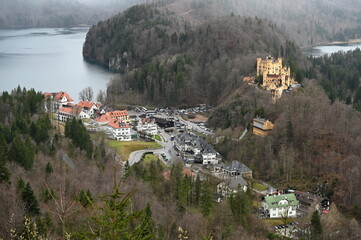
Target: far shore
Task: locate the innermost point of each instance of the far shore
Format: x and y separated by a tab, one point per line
357	40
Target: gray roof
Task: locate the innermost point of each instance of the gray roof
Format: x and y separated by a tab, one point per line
209	149
237	166
235	181
261	119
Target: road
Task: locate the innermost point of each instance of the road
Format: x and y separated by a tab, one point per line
167	145
167	149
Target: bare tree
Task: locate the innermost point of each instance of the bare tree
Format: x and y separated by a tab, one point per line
86	94
102	96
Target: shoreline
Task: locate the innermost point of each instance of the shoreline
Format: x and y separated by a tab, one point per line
357	40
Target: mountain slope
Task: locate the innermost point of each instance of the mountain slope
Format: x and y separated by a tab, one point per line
306	21
167	62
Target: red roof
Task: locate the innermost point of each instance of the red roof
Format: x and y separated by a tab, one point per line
148	120
103	118
118	113
71	110
86	104
60	95
117	124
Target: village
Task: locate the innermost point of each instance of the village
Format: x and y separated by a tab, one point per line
185	139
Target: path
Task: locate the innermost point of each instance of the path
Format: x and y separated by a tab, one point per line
187	12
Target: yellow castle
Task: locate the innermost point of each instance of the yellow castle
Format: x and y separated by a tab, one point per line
275	76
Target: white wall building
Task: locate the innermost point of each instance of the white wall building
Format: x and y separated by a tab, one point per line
279	206
148	126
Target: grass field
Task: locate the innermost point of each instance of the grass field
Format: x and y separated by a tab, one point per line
125	148
259	186
149	158
157	137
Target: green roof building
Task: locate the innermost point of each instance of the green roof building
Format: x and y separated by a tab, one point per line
278	206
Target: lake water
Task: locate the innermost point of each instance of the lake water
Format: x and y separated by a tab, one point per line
329	49
48	60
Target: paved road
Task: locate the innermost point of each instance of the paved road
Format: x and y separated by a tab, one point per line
167	149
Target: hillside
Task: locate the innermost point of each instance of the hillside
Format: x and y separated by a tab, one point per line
53	13
315	144
308	22
168	62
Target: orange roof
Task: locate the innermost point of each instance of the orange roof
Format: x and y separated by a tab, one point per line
86	104
104	118
117	124
118	113
148	120
187	172
71	110
60	95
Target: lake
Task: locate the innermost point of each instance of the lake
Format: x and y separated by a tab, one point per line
48	60
319	51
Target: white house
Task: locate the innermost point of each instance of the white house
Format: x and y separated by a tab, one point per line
148	126
88	107
209	155
119	130
279	206
67	113
58	100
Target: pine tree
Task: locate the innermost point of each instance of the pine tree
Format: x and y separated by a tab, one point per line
48	168
115	221
206	199
30	201
197	190
316	226
4	171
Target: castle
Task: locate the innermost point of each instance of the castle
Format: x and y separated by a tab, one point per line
274	75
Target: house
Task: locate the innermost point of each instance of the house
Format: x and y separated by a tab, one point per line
122	116
102	122
58	100
209	155
163	123
88	107
119	130
235	168
195	149
280	206
262	127
67	113
148	126
231	185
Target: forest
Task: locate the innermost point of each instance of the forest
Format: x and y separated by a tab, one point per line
341	76
164	66
316	141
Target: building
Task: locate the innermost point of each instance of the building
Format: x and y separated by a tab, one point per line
122	116
195	148
262	127
88	107
280	206
119	130
274	75
58	100
209	155
231	185
148	126
164	123
67	113
234	168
